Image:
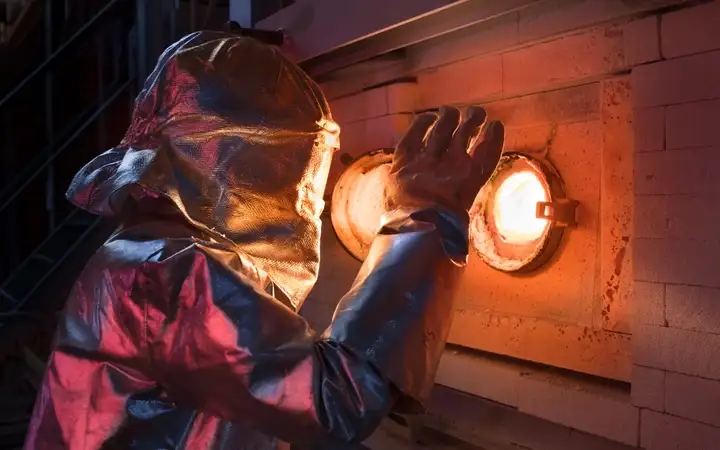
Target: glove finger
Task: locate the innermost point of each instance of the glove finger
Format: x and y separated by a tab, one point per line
441	135
412	142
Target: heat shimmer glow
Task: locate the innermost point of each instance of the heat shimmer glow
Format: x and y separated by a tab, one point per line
515	208
366	202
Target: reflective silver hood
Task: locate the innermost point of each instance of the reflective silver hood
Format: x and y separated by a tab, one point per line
240	140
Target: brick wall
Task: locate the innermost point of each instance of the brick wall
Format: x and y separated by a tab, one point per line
627	88
676	377
566	97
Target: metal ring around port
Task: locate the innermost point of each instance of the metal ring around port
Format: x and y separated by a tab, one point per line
358	202
505	254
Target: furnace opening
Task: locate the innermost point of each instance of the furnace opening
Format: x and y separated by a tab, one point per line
358	201
515	208
516	222
517	219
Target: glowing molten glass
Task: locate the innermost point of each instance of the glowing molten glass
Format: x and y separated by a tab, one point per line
515	208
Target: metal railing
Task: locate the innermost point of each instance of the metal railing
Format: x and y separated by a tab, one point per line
34	216
25	234
39	230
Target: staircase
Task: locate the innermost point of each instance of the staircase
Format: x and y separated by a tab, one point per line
53	121
70	72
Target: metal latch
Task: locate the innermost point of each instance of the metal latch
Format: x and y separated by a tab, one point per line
562	212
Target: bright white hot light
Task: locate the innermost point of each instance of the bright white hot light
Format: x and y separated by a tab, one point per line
515	206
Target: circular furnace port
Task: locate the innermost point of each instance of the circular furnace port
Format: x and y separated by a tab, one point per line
358	201
516	222
518	218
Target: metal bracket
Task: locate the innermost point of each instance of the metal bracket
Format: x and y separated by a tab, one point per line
561	212
276	38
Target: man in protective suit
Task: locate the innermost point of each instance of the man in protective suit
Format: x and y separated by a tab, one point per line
172	337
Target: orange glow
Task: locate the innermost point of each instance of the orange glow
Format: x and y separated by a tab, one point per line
515	208
366	202
358	201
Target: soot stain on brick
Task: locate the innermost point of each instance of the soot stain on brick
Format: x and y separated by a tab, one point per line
613	284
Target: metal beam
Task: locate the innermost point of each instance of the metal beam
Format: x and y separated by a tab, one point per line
327	34
459	15
319	26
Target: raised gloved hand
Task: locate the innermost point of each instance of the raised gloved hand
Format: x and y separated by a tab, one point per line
440	161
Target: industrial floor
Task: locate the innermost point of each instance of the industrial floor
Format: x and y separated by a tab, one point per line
385	439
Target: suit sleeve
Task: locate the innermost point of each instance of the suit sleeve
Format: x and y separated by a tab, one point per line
218	343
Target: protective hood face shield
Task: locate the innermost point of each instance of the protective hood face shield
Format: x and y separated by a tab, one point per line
240	140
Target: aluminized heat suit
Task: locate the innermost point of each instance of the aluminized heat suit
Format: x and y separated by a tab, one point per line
172	337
